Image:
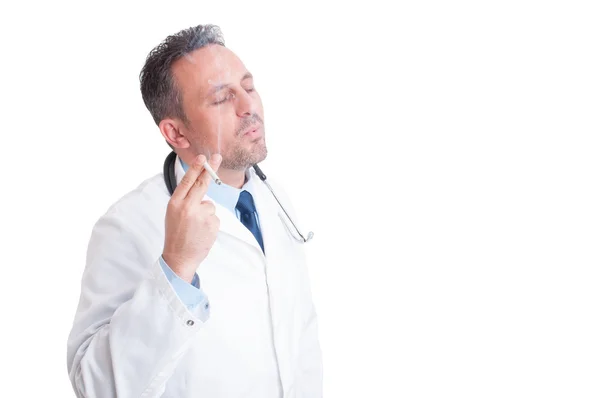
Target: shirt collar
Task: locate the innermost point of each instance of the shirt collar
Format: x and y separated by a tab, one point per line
225	195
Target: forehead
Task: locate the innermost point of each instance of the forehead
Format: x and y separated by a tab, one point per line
208	66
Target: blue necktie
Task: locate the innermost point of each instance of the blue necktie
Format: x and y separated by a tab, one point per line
245	206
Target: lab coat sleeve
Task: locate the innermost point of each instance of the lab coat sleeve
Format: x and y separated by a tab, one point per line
309	377
309	370
131	328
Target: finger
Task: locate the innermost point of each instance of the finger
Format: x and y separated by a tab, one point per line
200	188
190	177
209	207
215	161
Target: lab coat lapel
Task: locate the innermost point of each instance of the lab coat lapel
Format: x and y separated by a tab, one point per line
279	275
278	256
267	210
229	223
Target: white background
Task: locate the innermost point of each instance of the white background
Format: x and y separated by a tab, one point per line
445	154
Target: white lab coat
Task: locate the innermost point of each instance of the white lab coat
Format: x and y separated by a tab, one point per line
133	337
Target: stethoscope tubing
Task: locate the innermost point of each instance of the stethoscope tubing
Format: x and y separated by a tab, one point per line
171	183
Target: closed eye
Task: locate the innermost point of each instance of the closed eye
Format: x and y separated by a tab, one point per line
227	97
232	95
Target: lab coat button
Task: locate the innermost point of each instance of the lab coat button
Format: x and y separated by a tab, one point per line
190	322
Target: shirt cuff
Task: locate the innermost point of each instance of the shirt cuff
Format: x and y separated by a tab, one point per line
190	294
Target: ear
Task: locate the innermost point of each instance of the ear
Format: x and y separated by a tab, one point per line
171	131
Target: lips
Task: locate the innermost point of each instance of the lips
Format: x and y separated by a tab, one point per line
251	130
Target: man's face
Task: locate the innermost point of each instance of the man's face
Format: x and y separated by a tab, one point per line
224	111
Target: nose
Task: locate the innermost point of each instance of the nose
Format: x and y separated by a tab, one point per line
245	104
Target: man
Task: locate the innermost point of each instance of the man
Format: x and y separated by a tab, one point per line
205	292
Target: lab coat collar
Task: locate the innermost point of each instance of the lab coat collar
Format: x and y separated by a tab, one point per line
224	194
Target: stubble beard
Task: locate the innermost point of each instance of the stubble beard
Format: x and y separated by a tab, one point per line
239	158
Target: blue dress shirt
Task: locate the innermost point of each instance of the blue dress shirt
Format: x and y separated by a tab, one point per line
191	294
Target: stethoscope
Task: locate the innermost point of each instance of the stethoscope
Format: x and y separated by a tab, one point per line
171	183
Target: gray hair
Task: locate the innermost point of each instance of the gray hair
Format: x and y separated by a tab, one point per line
159	91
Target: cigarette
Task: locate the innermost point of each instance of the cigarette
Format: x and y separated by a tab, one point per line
212	173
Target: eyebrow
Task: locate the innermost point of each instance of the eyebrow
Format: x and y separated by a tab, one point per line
218	87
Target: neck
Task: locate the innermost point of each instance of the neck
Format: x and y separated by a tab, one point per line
233	178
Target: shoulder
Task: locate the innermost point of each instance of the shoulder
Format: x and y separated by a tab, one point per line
276	185
283	198
142	207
